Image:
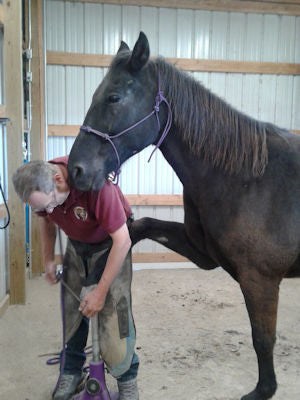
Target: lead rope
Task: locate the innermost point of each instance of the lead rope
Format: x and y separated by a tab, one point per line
158	100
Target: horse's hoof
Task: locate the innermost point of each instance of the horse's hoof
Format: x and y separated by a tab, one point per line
257	395
252	396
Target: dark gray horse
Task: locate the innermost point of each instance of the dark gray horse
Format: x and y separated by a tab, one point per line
241	181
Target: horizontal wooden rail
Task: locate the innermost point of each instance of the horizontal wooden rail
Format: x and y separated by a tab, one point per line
2	111
1	15
289	7
148	258
3	212
72	130
187	64
63	130
239	67
157	257
155	199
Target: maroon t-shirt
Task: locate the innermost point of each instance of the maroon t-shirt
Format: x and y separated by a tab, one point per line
90	216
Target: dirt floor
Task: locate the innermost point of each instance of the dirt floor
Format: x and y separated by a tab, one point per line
193	339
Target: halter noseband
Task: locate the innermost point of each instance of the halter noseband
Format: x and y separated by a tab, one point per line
158	100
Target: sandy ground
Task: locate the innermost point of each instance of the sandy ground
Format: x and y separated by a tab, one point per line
193	339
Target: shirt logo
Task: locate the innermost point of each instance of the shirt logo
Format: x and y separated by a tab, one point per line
80	213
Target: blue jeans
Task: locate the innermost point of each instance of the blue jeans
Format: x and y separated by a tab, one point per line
75	355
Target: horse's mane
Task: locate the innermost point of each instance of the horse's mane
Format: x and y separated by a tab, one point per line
225	137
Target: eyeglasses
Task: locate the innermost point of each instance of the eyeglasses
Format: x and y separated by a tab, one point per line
51	205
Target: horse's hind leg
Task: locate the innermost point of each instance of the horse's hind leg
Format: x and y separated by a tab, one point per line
261	296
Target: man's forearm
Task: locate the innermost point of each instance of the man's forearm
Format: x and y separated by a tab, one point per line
48	236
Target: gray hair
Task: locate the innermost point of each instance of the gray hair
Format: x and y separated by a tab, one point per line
34	176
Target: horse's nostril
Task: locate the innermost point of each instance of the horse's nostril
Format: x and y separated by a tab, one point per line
77	172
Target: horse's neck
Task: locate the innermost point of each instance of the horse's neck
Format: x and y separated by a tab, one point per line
178	155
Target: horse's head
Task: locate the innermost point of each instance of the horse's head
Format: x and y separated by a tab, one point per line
125	96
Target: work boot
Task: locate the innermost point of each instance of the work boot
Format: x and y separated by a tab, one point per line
128	390
68	385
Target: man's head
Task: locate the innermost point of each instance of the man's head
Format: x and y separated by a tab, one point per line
41	184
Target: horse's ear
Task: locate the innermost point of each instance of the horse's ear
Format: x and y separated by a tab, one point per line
140	53
123	47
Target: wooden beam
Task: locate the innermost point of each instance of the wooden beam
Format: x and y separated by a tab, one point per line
2	111
14	108
1	16
187	64
72	130
3	211
63	130
158	257
240	67
155	199
148	258
79	59
37	136
4	303
263	7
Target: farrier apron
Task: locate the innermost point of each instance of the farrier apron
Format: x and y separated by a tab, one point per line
84	264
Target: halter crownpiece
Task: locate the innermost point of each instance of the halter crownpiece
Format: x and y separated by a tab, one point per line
158	100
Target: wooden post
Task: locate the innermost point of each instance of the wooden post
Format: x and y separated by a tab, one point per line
37	135
12	11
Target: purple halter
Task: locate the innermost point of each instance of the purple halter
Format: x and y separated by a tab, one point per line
158	100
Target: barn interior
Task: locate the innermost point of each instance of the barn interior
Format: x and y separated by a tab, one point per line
194	338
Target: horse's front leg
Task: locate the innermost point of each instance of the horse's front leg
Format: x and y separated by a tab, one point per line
261	296
172	235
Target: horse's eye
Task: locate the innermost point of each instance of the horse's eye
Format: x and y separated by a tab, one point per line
114	98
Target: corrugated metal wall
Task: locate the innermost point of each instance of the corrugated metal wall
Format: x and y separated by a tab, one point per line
98	28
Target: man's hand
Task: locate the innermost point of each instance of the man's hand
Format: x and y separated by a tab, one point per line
92	303
51	272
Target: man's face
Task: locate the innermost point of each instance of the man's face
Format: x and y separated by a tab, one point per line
40	201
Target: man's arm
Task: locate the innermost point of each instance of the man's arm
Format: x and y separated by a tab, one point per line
94	301
48	236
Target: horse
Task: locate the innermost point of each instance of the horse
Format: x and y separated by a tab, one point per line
240	177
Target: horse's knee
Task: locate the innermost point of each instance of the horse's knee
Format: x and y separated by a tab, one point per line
137	230
263	343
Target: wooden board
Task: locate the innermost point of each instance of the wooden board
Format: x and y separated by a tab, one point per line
154	199
148	258
187	64
14	109
158	257
72	130
37	136
291	7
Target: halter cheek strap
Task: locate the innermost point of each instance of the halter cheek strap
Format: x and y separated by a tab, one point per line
158	100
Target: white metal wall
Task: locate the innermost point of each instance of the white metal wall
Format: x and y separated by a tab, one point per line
99	28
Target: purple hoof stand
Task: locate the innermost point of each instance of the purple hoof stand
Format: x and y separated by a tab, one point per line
95	387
